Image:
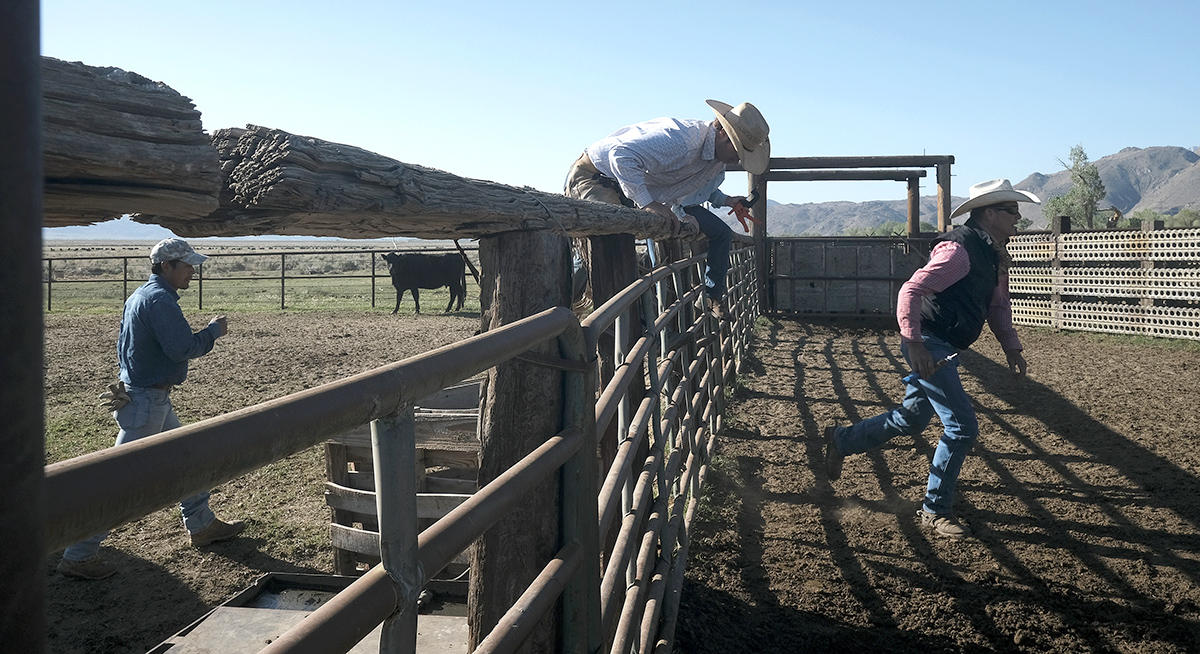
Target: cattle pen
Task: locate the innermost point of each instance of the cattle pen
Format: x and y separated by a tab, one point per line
255	271
596	433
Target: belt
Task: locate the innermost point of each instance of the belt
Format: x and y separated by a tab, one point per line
163	387
585	164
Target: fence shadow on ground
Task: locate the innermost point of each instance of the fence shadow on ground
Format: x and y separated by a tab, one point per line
1033	576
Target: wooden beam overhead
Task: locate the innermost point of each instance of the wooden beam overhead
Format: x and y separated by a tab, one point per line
899	175
889	161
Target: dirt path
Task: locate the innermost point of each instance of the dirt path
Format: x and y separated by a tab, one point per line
1082	490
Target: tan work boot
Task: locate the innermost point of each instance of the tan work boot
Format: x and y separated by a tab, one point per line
833	456
90	568
943	525
217	531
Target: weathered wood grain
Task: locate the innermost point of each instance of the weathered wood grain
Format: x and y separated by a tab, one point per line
118	143
115	142
281	183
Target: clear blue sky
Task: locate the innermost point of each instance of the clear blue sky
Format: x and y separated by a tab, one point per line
513	91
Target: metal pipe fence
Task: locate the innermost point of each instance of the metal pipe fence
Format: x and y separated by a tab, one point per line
679	368
280	273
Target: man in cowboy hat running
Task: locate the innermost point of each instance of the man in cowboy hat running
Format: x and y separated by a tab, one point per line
154	347
941	310
670	166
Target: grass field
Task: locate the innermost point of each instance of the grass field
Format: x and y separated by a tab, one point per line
87	279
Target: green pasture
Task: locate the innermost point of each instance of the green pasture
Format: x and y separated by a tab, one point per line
232	281
299	294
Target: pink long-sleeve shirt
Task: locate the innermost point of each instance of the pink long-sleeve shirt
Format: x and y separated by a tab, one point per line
947	264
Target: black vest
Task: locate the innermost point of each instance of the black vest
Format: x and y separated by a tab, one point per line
958	313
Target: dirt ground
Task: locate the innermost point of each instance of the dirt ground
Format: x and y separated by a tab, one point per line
164	584
1082	491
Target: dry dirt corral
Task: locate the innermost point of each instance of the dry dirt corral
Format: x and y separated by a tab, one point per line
164	583
1083	492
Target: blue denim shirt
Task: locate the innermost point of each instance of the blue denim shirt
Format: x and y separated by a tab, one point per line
156	341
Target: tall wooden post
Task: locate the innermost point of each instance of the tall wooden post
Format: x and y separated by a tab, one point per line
613	267
943	197
759	234
914	206
22	604
520	407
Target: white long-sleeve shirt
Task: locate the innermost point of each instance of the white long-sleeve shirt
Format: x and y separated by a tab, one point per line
663	160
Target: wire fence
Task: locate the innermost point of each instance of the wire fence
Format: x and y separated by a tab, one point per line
294	278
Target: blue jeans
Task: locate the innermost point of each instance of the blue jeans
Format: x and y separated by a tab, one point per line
942	394
719	237
149	412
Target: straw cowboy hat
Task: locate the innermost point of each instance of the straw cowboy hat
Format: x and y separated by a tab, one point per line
993	191
748	130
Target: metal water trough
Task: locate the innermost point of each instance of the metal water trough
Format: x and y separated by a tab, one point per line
258	615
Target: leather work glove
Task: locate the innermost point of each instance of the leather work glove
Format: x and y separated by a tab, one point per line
115	397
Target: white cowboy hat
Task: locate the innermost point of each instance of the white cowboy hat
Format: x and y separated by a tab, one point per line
748	130
993	191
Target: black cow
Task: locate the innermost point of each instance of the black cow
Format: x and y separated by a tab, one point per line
415	271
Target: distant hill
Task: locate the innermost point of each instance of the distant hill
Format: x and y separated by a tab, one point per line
1164	179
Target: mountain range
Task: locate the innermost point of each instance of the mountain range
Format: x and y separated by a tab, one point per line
1163	179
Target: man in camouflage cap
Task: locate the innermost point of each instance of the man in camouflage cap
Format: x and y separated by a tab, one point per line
154	347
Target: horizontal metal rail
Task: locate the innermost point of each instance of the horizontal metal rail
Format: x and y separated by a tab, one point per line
535	602
97	491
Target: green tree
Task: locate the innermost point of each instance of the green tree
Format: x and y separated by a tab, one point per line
1079	203
1184	219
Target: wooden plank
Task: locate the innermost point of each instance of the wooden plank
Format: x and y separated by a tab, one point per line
890	161
367	542
429	505
438	430
435	484
842	175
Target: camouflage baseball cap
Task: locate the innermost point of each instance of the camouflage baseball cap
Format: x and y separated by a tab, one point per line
175	249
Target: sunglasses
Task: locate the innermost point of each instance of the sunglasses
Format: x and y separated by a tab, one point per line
1009	210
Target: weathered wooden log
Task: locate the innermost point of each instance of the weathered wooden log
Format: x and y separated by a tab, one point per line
115	142
281	183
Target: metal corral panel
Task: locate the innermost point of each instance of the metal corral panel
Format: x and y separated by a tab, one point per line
840	275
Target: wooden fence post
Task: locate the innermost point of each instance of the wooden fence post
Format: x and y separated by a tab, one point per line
22	489
914	206
758	232
943	197
520	407
613	267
